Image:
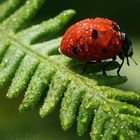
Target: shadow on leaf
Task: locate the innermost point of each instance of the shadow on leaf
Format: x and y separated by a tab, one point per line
93	72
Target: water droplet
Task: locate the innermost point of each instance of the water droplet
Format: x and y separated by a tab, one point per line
6	60
125	107
71	42
27	2
95	131
14	19
69	100
84	119
121	137
101	135
96	103
87	105
106	108
95	111
27	10
104	102
115	131
81	42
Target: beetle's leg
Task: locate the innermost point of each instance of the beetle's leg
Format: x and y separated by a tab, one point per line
105	66
84	67
122	57
118	71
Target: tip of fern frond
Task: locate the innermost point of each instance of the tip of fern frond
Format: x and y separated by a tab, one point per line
42	113
23	108
67	13
9	96
65	125
79	133
72	11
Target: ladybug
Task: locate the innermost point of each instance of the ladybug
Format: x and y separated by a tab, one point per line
94	40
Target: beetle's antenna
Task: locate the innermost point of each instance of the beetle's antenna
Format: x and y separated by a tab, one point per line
127	61
134	60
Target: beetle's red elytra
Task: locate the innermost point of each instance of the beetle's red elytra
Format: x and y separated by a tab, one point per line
95	40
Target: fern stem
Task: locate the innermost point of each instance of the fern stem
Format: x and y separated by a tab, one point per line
47	28
48	47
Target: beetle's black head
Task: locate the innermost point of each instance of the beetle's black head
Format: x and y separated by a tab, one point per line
127	50
126	42
126	45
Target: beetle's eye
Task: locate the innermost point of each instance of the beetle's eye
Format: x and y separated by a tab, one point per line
94	34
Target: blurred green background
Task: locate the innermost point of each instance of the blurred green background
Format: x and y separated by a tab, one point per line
29	126
125	12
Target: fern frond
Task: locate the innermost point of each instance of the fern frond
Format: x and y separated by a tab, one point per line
8	8
23	75
39	69
22	16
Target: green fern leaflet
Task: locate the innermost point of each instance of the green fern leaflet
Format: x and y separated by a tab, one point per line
38	69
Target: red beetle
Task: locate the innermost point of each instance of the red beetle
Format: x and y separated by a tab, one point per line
95	40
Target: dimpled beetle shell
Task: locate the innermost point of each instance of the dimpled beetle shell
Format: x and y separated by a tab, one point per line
92	40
